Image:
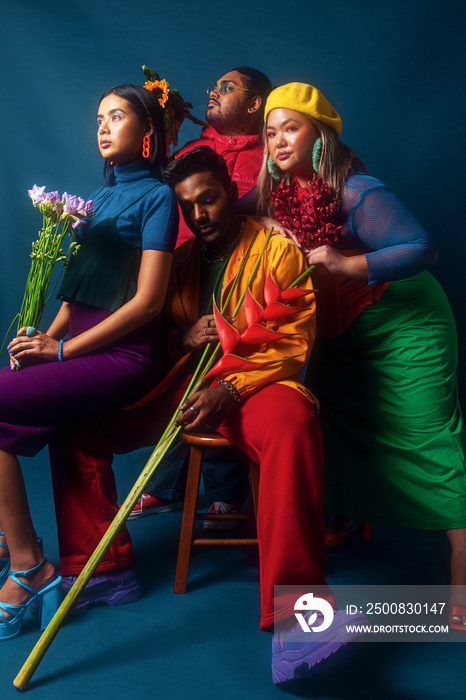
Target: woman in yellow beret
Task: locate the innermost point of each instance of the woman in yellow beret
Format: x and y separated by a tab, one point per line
384	365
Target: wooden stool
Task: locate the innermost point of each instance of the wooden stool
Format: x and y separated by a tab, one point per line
198	443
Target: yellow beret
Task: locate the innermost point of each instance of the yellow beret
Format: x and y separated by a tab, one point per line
305	99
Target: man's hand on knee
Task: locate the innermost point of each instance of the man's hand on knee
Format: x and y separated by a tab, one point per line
205	410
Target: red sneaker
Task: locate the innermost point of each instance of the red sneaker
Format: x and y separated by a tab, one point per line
224	509
150	505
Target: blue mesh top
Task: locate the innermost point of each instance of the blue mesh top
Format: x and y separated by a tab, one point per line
373	216
150	222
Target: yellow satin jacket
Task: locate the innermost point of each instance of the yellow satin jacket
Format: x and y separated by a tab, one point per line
287	263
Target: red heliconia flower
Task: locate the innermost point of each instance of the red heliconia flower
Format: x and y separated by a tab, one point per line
255	334
227	333
295	293
278	312
272	291
231	363
252	309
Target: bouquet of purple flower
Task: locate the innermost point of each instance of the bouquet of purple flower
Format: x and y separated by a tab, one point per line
60	215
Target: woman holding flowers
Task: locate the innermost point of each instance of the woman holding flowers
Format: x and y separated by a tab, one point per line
385	362
104	347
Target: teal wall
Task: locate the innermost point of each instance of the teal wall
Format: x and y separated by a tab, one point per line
394	69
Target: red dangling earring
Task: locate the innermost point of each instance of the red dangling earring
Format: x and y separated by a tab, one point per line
146	146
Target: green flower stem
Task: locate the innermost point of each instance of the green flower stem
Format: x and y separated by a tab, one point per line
49	634
169	435
49	251
46	252
302	276
254	269
8	331
54	287
47	637
241	268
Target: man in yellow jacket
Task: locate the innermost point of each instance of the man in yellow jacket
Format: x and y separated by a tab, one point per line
209	263
199	265
263	408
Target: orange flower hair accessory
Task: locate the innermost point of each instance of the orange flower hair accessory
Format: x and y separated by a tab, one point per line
176	110
158	85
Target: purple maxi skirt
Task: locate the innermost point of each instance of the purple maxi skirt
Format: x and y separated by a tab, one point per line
39	400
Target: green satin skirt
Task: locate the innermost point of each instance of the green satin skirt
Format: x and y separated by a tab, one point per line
394	435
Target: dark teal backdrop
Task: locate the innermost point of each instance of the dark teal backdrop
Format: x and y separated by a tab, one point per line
394	69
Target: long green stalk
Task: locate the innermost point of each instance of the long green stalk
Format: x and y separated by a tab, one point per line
38	652
165	442
302	276
46	252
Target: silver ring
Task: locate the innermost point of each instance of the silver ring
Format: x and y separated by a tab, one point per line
191	408
205	330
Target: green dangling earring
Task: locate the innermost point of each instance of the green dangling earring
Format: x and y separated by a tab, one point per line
274	170
316	153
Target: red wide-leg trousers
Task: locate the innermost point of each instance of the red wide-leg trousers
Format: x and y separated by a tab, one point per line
276	427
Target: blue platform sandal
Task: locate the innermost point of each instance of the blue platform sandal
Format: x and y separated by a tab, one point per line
5	561
48	599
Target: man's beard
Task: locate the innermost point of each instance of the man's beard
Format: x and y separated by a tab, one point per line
214	117
221	122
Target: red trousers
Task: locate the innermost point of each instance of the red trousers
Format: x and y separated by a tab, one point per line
276	427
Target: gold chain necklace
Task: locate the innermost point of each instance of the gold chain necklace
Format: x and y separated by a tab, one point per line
209	259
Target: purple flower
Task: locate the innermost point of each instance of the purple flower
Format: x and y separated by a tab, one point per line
77	223
51	206
69	203
51	197
37	194
76	206
86	207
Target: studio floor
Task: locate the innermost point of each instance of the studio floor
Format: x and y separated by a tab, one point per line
206	645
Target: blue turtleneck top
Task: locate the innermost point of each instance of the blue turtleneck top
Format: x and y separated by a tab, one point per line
151	221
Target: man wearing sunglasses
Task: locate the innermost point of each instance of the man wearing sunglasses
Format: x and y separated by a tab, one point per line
235	116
